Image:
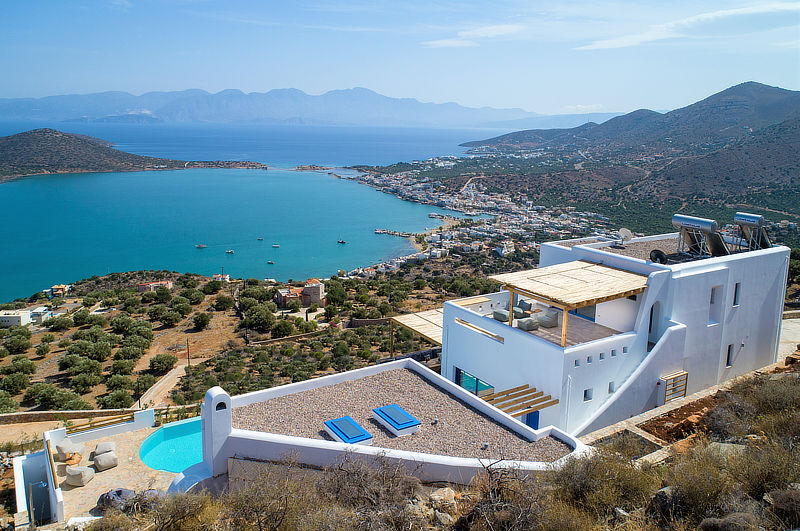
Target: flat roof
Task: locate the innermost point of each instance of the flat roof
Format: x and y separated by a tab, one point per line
428	324
458	431
574	284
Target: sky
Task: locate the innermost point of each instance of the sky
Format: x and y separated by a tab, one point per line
543	56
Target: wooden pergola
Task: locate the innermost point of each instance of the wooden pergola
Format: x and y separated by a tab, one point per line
571	286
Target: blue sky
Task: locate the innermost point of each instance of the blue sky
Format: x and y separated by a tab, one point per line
548	57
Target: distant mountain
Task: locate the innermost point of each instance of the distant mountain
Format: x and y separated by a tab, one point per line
42	151
768	160
728	115
357	106
554	121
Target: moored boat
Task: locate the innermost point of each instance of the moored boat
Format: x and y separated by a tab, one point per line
229	251
201	246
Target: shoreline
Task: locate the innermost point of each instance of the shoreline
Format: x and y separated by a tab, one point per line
188	165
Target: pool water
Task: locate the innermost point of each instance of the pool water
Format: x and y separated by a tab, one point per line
173	447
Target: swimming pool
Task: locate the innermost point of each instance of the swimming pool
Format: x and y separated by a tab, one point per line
173	447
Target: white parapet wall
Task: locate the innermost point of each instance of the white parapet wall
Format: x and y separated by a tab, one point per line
221	441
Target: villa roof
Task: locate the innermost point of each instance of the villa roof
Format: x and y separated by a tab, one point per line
428	324
574	284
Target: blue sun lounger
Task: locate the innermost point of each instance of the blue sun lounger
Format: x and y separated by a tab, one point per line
347	430
396	419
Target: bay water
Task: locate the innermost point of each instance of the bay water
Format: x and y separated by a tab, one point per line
61	228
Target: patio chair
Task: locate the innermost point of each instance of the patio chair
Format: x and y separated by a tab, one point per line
519	313
78	476
549	319
524	305
528	324
105	461
66	448
105	447
500	315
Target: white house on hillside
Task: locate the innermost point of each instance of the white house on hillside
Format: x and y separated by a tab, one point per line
604	330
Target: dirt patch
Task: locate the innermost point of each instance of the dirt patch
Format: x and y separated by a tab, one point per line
680	423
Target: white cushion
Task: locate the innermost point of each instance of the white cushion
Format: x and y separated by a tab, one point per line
105	447
105	461
78	476
66	447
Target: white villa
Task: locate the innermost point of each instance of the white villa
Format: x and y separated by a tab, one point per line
606	329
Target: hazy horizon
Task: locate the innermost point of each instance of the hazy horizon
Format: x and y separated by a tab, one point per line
542	57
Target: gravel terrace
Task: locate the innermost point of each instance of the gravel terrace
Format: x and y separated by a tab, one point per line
460	431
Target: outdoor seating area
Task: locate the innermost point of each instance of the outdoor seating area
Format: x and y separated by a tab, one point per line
112	462
103	458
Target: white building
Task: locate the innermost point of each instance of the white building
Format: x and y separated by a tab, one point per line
41	314
14	318
630	326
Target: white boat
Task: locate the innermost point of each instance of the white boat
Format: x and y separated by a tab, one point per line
275	245
229	251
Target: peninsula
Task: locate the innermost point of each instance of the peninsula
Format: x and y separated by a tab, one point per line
46	151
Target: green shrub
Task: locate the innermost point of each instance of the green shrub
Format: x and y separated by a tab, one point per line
162	363
7	404
122	366
118	381
128	353
171	318
201	321
699	482
97	320
79	318
19	363
42	349
282	328
99	351
146	381
3	352
223	303
85	366
118	399
17	344
48	338
211	287
764	467
59	324
121	324
48	397
602	481
84	382
14	383
64	342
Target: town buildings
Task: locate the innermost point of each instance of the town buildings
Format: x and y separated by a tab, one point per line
313	292
14	318
152	286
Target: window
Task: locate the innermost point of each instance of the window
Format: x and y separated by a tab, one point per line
611	387
588	359
624	350
613	353
714	307
729	357
220	406
736	289
602	355
474	385
577	363
587	395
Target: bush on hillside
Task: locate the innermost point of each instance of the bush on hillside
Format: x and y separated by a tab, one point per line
162	363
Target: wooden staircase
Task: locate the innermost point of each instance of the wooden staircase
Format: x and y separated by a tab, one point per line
521	400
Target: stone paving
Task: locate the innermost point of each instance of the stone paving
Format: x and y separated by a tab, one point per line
131	473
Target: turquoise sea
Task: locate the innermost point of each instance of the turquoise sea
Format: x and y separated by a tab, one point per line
61	228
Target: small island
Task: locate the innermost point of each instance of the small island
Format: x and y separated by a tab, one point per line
48	151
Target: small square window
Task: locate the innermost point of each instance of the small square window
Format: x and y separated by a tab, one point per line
624	350
613	353
588	359
611	387
736	289
587	395
577	363
729	357
602	355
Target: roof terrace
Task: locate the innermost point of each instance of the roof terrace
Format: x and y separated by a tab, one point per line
449	426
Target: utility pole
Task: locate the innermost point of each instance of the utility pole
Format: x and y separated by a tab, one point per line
188	358
138	393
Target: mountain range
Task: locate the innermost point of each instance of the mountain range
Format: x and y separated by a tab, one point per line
353	107
734	113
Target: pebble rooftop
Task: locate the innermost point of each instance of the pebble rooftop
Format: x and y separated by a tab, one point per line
460	430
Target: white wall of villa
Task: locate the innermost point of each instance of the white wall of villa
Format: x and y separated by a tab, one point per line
620	372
